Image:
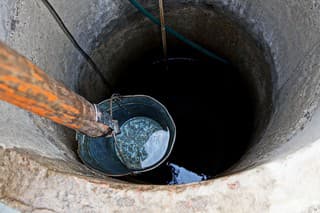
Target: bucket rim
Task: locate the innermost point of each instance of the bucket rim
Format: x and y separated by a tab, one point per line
80	137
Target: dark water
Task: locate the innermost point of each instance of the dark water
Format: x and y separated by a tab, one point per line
210	105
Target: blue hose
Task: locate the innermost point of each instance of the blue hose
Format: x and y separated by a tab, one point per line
176	34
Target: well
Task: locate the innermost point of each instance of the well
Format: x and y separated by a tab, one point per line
273	45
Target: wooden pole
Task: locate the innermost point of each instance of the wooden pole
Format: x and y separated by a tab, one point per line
25	85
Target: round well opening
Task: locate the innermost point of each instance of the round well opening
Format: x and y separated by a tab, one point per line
219	109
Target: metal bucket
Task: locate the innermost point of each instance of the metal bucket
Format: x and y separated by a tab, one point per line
102	153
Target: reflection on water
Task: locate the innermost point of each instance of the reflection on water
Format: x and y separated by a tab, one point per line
141	143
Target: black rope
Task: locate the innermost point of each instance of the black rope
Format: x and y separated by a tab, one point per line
75	43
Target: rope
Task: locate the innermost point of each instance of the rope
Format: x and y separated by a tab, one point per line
176	34
163	30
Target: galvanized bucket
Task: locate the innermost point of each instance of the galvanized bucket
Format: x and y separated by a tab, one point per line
103	153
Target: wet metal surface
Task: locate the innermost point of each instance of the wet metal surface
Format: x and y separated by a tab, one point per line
144	141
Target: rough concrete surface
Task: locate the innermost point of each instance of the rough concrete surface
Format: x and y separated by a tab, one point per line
285	185
274	43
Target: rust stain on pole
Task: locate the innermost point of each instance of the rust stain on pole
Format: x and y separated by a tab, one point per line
25	85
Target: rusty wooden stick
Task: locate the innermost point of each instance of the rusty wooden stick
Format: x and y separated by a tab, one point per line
27	86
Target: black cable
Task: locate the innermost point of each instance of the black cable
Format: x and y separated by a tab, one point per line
75	43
